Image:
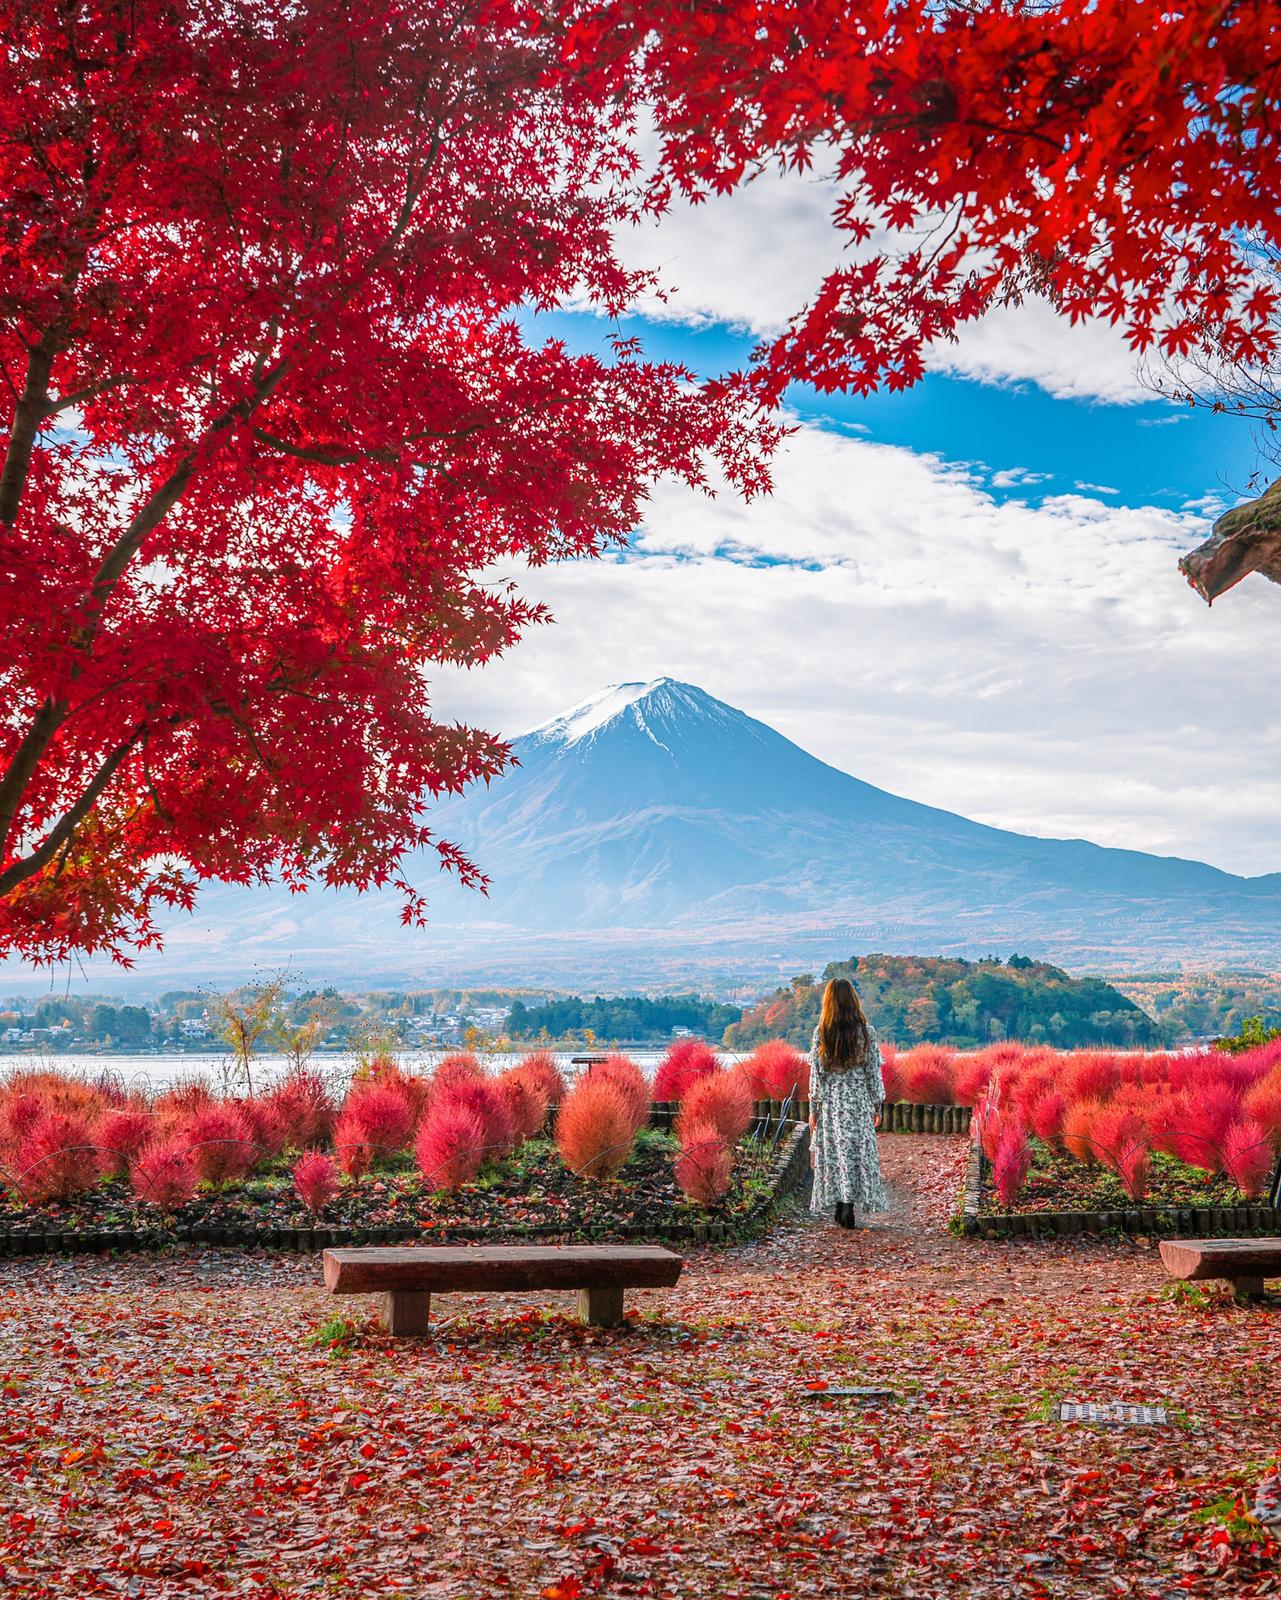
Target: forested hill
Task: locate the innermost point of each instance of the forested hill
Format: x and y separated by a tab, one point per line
966	1003
632	1017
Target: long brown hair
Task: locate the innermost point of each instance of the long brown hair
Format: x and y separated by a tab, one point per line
842	1028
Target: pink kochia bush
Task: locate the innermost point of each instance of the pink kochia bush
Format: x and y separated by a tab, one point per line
681	1068
595	1129
376	1122
722	1101
525	1101
120	1135
57	1158
315	1178
1247	1157
629	1080
164	1175
705	1165
541	1072
451	1144
1011	1162
777	1070
220	1142
303	1107
927	1073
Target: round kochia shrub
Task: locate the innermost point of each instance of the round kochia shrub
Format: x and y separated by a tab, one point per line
164	1175
705	1165
57	1157
525	1102
485	1101
315	1178
220	1142
721	1101
451	1144
376	1121
594	1128
681	1068
120	1136
540	1070
777	1070
629	1080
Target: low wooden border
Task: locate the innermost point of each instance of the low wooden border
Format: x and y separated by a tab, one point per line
788	1166
1156	1222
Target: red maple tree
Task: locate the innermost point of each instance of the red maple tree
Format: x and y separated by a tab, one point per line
273	429
273	420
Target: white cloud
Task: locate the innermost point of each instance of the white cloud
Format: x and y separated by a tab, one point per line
1015	477
1096	488
754	257
1041	667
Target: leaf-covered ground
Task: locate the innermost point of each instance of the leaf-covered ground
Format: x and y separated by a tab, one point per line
168	1430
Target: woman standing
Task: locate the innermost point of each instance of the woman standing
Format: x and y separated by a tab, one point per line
845	1091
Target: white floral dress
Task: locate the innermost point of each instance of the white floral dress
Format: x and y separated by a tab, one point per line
847	1168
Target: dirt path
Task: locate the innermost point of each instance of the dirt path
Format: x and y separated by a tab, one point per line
166	1430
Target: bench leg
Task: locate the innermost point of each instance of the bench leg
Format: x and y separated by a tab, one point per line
405	1311
1247	1288
603	1308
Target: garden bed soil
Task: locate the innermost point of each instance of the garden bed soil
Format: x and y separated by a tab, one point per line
529	1196
1062	1196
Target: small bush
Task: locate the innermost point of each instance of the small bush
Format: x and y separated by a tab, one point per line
1247	1157
630	1082
352	1149
264	1124
704	1167
777	1070
928	1074
460	1067
385	1071
525	1101
488	1105
1012	1163
451	1144
594	1130
57	1158
1045	1116
378	1115
540	1070
316	1179
220	1143
1077	1132
304	1107
681	1068
120	1135
722	1101
1262	1104
164	1175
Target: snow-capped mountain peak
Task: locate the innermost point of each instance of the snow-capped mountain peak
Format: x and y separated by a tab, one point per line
643	705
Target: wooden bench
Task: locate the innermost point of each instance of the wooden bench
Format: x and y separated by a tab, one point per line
408	1278
1244	1263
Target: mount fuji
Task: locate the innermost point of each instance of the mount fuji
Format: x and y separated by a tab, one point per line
655	835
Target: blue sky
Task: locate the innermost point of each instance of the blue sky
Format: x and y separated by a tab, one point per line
1150	452
967	594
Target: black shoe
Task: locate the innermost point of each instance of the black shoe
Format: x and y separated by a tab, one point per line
848	1217
838	1216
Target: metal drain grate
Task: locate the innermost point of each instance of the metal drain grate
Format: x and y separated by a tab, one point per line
1113	1414
869	1396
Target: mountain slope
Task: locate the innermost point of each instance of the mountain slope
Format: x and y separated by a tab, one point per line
655	836
655	805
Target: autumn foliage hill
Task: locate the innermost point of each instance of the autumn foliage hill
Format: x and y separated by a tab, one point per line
961	1003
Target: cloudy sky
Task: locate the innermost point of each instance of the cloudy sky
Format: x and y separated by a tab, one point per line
967	594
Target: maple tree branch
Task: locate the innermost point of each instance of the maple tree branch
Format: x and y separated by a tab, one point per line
67	824
26	427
